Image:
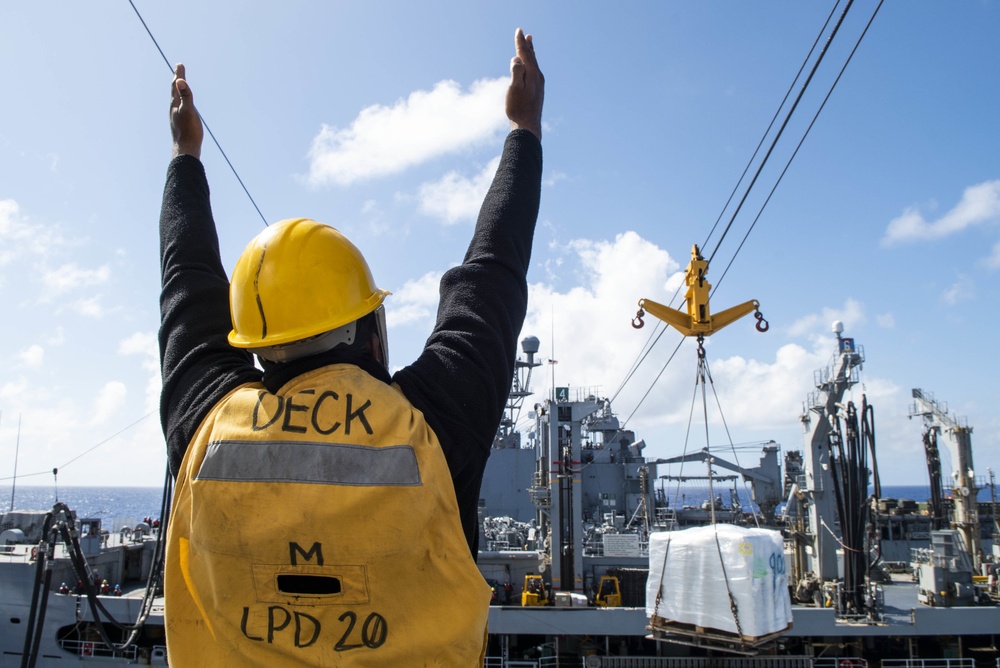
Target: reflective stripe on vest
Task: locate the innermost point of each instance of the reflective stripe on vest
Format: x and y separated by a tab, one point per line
319	526
309	462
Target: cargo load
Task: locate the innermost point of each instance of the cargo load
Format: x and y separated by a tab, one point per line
694	572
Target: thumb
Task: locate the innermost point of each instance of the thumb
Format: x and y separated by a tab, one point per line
516	71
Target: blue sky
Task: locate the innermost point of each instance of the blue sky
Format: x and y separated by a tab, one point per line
385	120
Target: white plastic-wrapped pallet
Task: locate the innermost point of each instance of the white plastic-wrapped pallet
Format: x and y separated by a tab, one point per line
696	569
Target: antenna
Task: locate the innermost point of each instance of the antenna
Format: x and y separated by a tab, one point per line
552	360
17	448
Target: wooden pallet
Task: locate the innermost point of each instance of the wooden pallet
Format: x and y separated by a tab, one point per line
669	630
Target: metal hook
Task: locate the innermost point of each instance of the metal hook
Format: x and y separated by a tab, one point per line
762	325
638	319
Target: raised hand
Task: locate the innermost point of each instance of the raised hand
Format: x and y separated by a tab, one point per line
185	124
527	87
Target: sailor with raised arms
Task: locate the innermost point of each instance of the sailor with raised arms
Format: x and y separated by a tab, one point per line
325	510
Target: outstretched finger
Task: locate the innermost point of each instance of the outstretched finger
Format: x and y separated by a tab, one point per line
175	96
181	91
524	48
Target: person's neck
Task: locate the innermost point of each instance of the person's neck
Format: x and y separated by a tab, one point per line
277	374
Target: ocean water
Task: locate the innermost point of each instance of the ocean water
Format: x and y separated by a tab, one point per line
125	506
116	507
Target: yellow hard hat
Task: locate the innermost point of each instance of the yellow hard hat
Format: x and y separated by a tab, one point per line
295	280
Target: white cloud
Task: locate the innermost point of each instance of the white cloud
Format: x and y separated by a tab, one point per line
32	356
886	320
13	389
961	290
587	328
69	277
12	231
388	139
81	430
455	198
21	238
146	346
82	440
57	337
851	315
552	178
9	217
993	261
108	402
980	204
140	343
416	301
90	307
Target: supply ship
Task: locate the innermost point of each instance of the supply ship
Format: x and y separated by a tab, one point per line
57	604
575	503
568	511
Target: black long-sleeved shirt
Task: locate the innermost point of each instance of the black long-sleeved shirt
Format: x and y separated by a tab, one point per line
460	381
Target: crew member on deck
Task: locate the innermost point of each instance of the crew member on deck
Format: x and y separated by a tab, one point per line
325	511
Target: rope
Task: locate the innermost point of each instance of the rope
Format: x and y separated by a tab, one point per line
732	447
781	130
771	124
82	454
643	354
836	537
655	380
663	571
797	147
687	437
210	133
732	600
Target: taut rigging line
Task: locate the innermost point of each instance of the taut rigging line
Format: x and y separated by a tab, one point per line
658	333
784	124
210	133
799	144
85	452
703	378
767	131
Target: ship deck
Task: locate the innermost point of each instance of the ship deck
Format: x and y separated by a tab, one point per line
903	615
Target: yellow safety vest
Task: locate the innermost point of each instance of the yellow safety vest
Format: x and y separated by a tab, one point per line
319	526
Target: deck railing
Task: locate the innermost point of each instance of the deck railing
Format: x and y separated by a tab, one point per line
680	662
91	649
728	662
930	663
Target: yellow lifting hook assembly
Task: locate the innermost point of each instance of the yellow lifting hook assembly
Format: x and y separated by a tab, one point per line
698	321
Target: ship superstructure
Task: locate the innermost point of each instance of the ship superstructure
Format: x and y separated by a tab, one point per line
568	505
574	502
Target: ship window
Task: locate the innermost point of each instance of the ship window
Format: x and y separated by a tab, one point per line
308	584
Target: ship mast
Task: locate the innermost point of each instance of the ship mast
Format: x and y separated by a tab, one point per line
965	514
818	488
507	434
